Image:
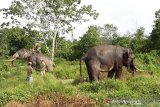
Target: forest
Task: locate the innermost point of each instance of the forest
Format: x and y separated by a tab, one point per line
47	22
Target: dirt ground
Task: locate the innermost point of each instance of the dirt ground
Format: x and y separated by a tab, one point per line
55	100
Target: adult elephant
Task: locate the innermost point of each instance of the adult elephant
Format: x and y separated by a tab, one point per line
109	58
33	57
22	54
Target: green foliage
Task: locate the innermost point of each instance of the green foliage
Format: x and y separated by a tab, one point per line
68	69
47	15
149	61
138	41
147	88
142	88
90	39
65	78
122	41
64	48
16	38
155	34
15	87
108	33
110	89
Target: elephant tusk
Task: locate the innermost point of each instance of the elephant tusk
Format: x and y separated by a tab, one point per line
12	59
103	70
7	60
137	69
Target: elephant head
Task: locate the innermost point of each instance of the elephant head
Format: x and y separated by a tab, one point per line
21	54
128	59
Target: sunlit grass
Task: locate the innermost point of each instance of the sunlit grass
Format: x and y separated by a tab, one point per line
65	79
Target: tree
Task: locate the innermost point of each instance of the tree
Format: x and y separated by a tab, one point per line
122	41
108	32
90	38
155	34
16	38
138	42
140	33
49	16
61	45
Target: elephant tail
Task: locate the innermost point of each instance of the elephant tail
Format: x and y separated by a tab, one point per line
81	60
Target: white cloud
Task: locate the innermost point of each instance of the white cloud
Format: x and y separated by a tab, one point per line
125	14
5	3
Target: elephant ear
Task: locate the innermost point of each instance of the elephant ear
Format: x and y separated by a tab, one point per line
126	53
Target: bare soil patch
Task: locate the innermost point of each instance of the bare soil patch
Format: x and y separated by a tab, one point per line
56	100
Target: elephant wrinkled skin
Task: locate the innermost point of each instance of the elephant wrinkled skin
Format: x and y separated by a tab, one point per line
33	57
109	58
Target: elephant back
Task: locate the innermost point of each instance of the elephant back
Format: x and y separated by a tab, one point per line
22	54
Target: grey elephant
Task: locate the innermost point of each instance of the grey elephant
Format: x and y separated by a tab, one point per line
109	58
33	57
22	54
36	59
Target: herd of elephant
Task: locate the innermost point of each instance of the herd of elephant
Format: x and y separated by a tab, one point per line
103	58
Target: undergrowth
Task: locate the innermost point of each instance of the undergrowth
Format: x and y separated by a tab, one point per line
65	79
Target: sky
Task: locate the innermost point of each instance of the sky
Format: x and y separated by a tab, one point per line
127	15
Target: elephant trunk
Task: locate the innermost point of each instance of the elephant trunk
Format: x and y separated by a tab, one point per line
14	57
54	65
12	62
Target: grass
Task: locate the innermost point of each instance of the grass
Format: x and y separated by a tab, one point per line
64	84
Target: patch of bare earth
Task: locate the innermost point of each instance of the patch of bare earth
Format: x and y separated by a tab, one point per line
56	100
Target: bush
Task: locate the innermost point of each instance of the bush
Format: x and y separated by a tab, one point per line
149	61
15	87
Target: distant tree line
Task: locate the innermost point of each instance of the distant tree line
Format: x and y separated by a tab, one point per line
15	38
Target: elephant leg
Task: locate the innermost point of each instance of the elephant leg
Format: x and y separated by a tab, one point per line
33	64
118	73
111	73
96	69
96	75
89	70
93	74
93	70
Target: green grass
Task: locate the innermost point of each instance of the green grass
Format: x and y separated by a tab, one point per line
65	79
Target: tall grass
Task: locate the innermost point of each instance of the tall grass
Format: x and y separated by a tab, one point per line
150	62
13	84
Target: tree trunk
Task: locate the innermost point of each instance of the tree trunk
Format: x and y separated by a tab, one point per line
46	45
53	44
43	37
